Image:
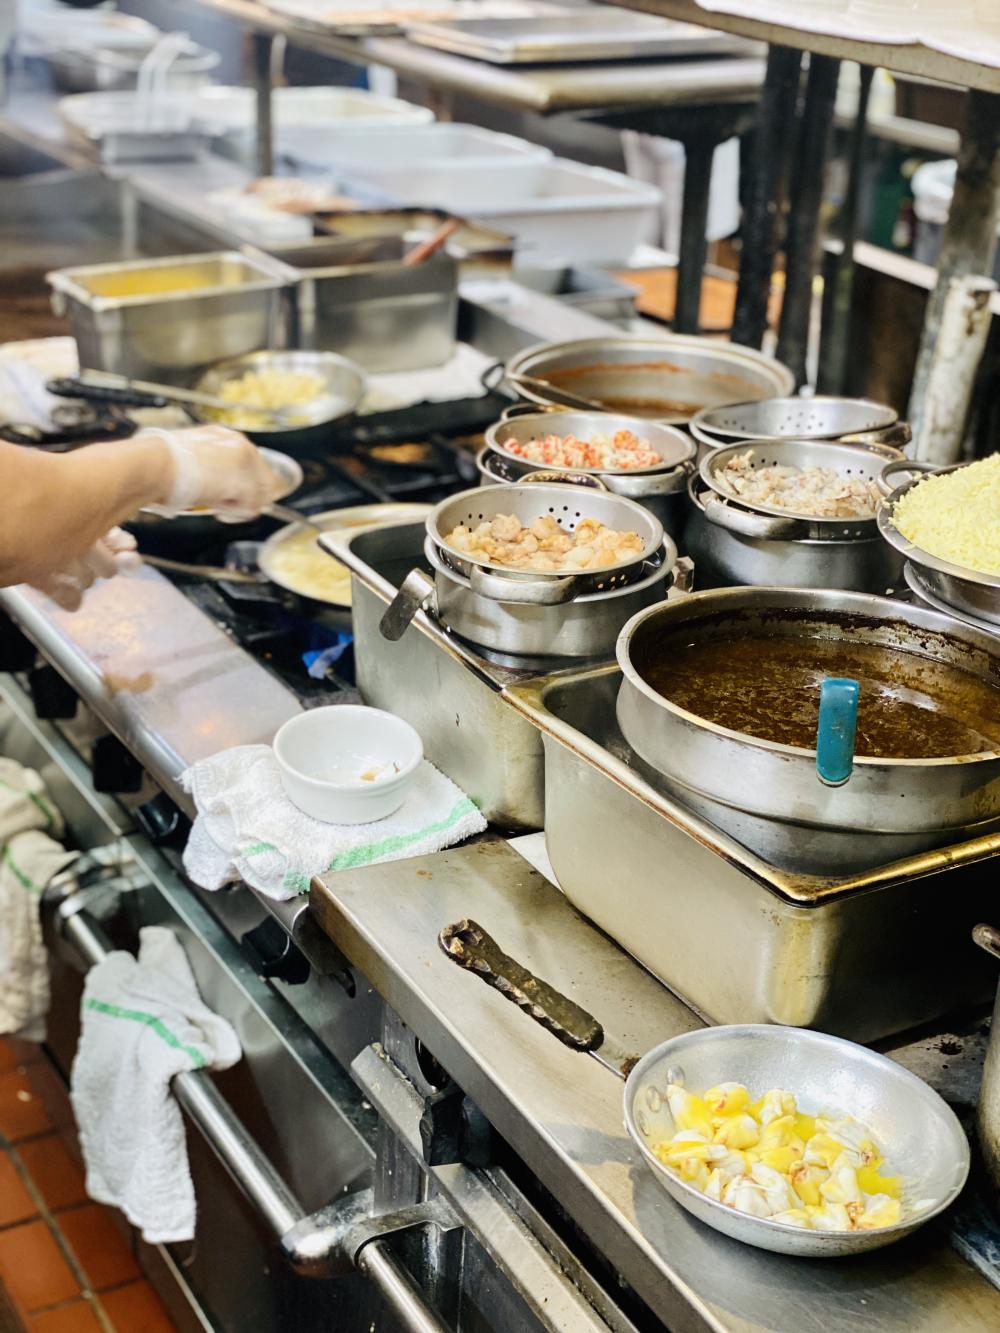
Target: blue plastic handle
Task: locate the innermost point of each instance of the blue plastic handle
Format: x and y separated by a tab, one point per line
838	724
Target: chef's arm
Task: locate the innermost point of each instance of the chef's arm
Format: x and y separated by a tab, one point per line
57	506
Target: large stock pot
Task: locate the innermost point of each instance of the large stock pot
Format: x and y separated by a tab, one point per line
908	803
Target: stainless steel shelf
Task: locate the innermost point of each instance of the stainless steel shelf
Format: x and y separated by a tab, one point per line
546	89
916	61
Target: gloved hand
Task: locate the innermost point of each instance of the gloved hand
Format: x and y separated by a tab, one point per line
217	468
115	553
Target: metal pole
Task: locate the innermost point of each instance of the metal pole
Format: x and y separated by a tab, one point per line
961	340
699	153
803	223
969	240
839	292
262	51
771	145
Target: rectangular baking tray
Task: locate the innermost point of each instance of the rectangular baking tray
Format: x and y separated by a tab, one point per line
599	34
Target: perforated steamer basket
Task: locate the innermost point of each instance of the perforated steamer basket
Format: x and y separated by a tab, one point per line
568	505
727	507
818	418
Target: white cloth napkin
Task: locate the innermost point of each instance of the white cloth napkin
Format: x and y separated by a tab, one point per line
29	857
248	829
143	1021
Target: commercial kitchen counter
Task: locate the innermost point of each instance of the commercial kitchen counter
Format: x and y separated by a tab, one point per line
175	689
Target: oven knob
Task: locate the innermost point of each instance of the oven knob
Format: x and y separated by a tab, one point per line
162	822
273	953
113	768
52	696
17	652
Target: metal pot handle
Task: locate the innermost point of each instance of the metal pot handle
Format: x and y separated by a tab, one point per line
662	483
416	593
901	465
467	944
988	938
896	436
526	592
747	524
586	479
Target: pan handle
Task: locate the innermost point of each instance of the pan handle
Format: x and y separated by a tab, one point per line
898	465
467	944
896	436
748	524
416	593
988	938
525	592
554	477
660	483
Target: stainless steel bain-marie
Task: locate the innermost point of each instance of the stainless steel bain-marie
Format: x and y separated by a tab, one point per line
659	489
665	379
733	542
725	557
736	936
889	807
440	685
528	615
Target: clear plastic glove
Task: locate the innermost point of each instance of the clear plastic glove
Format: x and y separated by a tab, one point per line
115	553
216	468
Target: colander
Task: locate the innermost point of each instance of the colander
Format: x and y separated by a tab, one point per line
819	418
851	461
527	502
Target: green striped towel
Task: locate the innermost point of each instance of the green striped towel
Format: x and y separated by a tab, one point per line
247	828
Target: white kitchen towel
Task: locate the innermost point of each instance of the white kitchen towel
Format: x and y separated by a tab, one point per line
143	1021
29	857
248	829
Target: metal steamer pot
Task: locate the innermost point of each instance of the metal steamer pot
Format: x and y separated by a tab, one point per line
659	489
744	783
736	543
522	615
666	379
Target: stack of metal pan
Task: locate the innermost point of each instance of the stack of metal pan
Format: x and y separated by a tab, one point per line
522	614
853	420
661	489
736	542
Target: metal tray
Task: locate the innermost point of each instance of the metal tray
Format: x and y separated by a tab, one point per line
443	687
601	33
736	938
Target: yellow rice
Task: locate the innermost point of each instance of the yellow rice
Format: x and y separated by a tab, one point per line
956	516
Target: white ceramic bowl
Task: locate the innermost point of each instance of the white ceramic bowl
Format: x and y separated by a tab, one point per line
322	753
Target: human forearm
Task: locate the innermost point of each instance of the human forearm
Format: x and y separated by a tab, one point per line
55	506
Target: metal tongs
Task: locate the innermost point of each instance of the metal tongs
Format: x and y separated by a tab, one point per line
104	387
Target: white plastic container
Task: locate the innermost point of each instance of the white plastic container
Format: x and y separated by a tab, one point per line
578	215
322	755
304	118
457	167
933	189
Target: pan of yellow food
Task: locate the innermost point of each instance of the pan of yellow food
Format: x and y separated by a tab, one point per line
947	525
786	1139
315	392
293	560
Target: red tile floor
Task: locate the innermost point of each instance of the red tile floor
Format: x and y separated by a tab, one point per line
66	1265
